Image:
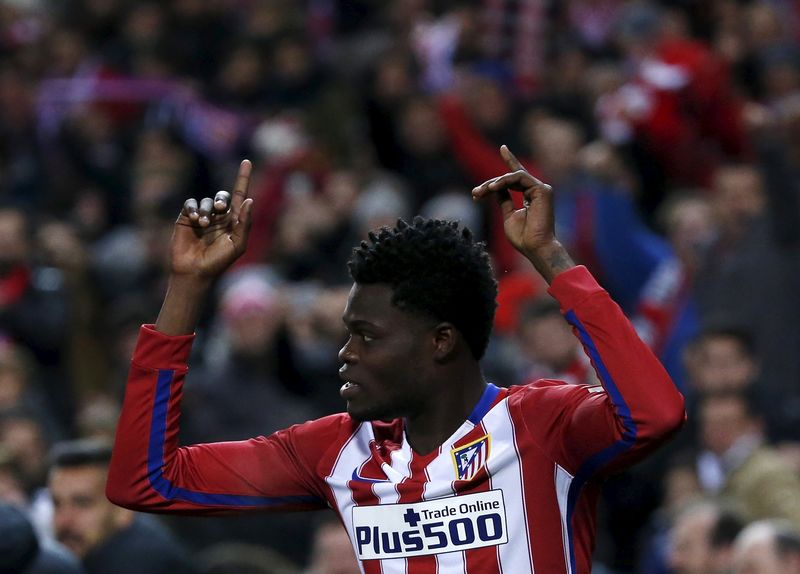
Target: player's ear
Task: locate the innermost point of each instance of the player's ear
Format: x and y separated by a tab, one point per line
445	339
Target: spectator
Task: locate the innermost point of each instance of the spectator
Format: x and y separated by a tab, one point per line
23	435
596	213
767	547
253	356
19	388
33	308
12	483
104	537
680	489
666	313
722	359
113	112
238	558
22	553
752	253
684	116
736	463
549	349
248	386
332	552
702	539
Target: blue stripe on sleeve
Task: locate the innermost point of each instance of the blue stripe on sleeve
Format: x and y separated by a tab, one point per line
155	462
591	465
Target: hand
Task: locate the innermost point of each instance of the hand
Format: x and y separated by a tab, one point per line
528	228
531	230
211	235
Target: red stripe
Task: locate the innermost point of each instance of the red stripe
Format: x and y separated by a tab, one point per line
541	505
411	490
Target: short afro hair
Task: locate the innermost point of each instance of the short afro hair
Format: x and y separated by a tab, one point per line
435	268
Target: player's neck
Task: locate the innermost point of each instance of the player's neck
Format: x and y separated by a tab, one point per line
455	398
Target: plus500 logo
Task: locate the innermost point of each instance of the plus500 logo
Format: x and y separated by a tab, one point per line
434	527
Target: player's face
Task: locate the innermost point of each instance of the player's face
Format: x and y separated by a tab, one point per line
386	356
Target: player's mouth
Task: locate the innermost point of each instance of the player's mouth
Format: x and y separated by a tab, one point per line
349	390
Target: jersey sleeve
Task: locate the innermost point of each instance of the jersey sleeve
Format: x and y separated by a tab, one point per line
150	472
589	430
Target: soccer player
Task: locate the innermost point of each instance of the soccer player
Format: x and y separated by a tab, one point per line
432	468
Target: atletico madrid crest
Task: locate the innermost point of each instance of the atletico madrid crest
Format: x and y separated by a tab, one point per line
470	458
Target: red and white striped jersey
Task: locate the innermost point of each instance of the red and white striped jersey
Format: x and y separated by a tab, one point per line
513	489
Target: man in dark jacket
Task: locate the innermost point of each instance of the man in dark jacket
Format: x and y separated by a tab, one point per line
104	537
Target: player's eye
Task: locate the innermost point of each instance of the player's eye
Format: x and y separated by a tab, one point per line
367	338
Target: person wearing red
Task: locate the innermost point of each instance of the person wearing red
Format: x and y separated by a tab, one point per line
432	468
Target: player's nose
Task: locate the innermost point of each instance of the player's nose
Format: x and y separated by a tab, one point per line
347	354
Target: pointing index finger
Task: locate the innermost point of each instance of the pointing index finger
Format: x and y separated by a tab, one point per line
240	188
511	160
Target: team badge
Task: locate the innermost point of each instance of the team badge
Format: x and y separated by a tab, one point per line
470	458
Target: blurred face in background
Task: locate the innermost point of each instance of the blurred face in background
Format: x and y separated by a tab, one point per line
252	313
763	26
555	144
83	517
690	547
24	440
293	62
680	486
421	129
691	228
67	51
720	362
755	552
739	198
12	386
724	420
13	238
242	73
393	78
332	552
549	340
145	25
488	104
252	332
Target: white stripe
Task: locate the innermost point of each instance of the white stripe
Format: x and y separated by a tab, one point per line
350	457
400	459
505	468
387	494
563	482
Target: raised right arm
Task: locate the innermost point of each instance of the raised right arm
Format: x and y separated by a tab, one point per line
148	470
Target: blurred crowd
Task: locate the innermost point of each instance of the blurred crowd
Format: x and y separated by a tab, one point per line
670	131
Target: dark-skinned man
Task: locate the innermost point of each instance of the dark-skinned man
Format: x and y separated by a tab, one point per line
432	468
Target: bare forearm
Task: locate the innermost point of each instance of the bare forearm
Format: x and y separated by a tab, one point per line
551	260
182	305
